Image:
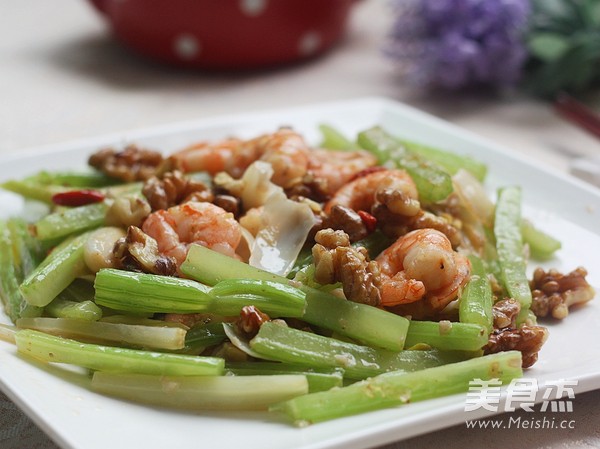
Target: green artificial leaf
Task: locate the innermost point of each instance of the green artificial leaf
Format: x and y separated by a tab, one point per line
548	46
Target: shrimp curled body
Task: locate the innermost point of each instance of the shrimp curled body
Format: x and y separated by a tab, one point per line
421	265
394	188
176	228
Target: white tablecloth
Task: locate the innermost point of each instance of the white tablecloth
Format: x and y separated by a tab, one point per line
62	77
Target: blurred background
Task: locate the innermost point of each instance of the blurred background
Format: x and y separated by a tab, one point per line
499	68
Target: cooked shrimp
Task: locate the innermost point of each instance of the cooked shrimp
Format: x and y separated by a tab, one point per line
421	265
394	188
285	150
337	168
204	223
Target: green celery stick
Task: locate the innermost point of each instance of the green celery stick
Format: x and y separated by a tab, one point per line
335	140
140	292
155	337
541	245
445	335
433	183
71	221
33	190
73	179
360	322
509	245
451	162
273	298
49	348
476	299
202	393
393	389
55	273
318	380
9	285
290	345
84	310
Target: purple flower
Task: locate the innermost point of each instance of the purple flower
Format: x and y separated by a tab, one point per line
458	43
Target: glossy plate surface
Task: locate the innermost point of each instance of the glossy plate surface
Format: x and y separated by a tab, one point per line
58	401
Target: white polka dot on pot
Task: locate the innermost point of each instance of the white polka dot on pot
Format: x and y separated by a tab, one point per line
253	8
186	46
309	43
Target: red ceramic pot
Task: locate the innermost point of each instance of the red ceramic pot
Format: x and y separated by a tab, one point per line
227	34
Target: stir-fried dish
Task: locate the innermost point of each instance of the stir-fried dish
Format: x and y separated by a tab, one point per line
270	274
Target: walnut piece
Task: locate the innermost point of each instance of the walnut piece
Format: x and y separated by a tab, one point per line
336	261
505	313
250	321
553	292
347	220
131	164
526	339
138	251
174	189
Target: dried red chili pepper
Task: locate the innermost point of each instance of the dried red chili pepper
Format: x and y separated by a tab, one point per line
74	198
369	220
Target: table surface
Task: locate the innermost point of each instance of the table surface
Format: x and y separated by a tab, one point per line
62	77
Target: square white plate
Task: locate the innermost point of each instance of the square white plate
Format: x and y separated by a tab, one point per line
77	418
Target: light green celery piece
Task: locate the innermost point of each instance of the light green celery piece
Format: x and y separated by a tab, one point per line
451	162
433	183
34	190
273	298
140	292
476	300
83	310
71	221
509	245
155	337
9	284
202	393
55	273
541	245
290	345
360	322
48	348
393	389
74	179
318	380
446	335
335	140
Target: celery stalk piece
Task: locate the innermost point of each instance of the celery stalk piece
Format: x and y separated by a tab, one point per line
509	245
9	285
541	245
318	380
476	299
33	190
451	162
273	298
71	221
335	140
27	250
290	345
140	292
202	393
433	183
83	311
74	179
155	337
7	333
55	273
445	335
393	389
363	323
48	348
210	268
